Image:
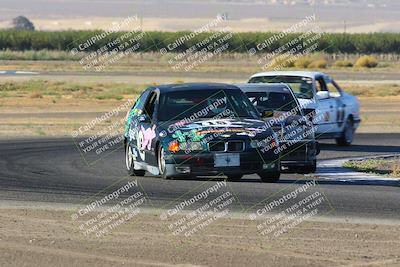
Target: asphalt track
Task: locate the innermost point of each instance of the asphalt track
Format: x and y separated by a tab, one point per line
52	170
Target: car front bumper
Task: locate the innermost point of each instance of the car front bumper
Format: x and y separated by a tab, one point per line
203	163
299	154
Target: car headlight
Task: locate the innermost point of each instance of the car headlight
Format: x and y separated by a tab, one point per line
192	146
268	142
257	143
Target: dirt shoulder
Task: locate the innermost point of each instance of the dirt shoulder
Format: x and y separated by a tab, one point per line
387	166
51	238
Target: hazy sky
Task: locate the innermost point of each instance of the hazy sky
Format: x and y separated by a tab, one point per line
386	9
360	12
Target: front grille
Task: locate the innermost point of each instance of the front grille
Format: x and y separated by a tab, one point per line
229	146
216	146
234	146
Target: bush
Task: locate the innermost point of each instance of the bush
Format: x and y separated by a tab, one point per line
302	62
280	62
318	64
343	64
367	62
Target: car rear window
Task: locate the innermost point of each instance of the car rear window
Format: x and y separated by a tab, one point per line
275	101
301	86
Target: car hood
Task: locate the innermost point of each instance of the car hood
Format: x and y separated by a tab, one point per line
218	128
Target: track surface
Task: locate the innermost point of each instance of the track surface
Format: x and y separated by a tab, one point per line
53	170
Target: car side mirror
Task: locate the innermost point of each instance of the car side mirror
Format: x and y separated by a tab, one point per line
264	113
144	118
267	114
322	95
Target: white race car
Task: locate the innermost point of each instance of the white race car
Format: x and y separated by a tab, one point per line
337	112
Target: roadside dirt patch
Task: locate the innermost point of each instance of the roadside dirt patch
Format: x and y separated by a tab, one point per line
49	238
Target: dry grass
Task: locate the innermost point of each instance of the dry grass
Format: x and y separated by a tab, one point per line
373	89
38	88
366	62
343	64
318	64
303	62
390	167
36	95
151	62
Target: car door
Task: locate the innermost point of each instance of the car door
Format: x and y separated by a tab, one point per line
133	125
337	94
327	106
147	129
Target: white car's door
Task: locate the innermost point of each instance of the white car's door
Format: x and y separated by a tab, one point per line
327	107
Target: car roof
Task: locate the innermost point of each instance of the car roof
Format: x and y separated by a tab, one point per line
310	74
193	86
270	87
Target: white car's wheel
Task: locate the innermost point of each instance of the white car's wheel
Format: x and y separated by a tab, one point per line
347	135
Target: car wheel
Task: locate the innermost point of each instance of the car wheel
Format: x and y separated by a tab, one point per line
309	168
161	162
234	177
270	177
347	135
130	163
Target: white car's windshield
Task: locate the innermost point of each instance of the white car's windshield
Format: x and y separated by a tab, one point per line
301	86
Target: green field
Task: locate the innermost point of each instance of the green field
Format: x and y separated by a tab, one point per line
364	43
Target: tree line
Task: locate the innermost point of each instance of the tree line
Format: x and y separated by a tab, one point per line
364	43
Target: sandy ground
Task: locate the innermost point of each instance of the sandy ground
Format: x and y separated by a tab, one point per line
39	237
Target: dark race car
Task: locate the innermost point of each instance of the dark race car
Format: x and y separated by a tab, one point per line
283	112
199	129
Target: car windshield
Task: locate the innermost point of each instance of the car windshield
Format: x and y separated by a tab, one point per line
274	101
198	104
301	86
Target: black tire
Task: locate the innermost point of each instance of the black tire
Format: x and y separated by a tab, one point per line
130	163
234	177
161	163
309	168
269	177
346	137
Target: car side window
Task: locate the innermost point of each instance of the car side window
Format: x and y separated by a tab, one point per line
136	110
141	100
320	85
334	91
150	105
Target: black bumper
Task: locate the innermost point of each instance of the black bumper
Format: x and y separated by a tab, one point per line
203	164
300	153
